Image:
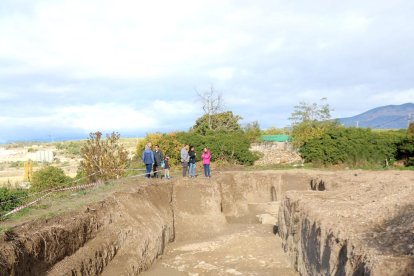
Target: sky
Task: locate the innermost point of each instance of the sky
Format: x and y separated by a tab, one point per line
70	67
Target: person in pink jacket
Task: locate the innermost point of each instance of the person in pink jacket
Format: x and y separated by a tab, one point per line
205	157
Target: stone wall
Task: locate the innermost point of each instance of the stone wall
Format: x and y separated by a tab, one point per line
275	153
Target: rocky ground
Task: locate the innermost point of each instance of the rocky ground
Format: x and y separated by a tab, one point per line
275	153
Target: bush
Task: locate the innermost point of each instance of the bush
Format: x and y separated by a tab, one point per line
17	164
71	148
12	198
352	146
406	150
226	146
103	159
49	177
168	142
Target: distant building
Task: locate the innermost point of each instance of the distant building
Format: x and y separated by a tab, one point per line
41	156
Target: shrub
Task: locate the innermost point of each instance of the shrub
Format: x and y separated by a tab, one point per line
103	158
227	146
71	148
10	199
352	146
31	150
406	150
168	142
49	177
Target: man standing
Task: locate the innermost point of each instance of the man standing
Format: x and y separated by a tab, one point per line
184	159
158	157
148	159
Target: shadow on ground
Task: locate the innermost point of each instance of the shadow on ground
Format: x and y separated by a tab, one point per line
395	236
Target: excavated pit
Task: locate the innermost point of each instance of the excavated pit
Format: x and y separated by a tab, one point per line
326	223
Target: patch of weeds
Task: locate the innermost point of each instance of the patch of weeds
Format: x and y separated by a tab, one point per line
49	215
409	168
40	206
20	214
6	230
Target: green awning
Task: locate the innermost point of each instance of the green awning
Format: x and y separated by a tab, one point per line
275	138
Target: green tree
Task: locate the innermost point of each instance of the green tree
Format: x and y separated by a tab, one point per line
103	158
224	121
274	131
49	177
310	121
410	129
252	131
314	112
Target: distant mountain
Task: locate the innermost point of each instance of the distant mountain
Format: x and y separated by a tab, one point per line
389	116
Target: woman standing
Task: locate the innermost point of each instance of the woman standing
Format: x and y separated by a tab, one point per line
192	162
206	156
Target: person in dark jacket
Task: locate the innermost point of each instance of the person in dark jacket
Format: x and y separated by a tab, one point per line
192	162
148	159
158	158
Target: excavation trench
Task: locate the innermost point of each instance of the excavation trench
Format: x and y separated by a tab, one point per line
126	232
237	223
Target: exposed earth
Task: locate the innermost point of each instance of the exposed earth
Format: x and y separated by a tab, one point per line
295	222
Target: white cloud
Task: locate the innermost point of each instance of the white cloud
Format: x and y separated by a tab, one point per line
120	39
6	96
356	22
154	116
266	56
106	117
52	89
393	97
174	109
222	73
103	117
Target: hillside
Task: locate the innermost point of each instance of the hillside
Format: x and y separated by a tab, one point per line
389	116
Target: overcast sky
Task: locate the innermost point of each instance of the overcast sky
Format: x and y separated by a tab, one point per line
69	67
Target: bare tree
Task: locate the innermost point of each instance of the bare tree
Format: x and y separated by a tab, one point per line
212	102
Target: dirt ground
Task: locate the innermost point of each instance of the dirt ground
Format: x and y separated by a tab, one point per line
360	221
242	249
364	220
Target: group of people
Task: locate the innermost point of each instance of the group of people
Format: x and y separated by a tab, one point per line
188	160
155	161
